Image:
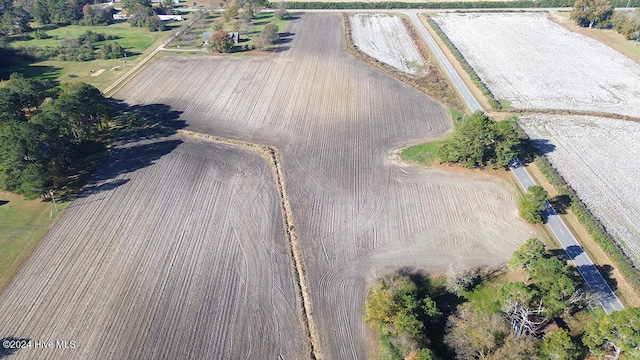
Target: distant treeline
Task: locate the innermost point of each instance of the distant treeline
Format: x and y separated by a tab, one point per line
445	5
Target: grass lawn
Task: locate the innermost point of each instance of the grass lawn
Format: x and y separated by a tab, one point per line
22	225
133	39
608	37
99	73
424	154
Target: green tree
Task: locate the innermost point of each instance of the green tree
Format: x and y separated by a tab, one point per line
33	180
111	50
281	12
32	92
247	13
22	146
220	41
231	12
131	4
588	13
474	333
558	345
10	107
154	23
381	306
506	141
270	34
422	354
531	250
622	328
139	15
393	303
532	203
84	109
481	142
627	24
554	282
514	293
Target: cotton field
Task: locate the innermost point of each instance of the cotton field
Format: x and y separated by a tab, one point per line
536	64
598	157
385	38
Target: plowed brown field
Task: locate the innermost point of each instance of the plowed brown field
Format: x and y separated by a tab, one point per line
357	211
184	259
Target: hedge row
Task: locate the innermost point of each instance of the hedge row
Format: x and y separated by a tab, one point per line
465	65
436	5
593	226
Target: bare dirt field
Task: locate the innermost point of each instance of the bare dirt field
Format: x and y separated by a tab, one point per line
178	253
535	63
357	211
598	157
385	38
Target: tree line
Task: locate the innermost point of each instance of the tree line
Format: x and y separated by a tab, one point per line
44	131
82	48
510	321
600	14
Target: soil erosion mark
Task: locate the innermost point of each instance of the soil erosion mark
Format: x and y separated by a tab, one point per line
294	245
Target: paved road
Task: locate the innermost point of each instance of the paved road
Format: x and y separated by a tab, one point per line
583	263
581	260
472	103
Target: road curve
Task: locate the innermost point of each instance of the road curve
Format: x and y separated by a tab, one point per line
581	260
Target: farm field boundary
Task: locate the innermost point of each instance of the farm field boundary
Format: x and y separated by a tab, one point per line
518	4
433	84
590	222
164	41
495	104
531	80
294	245
594	228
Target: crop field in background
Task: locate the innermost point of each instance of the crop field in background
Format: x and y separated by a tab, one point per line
598	157
357	211
535	63
176	250
385	38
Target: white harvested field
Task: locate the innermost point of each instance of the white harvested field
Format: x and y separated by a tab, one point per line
537	64
357	212
385	38
179	253
598	157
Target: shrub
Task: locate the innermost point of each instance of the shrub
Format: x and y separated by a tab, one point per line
220	41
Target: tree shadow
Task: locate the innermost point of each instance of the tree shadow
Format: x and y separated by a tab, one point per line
561	203
561	254
3	202
23	65
7	351
279	49
591	272
607	274
140	139
530	148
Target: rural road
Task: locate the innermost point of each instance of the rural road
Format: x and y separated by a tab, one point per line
581	260
471	102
